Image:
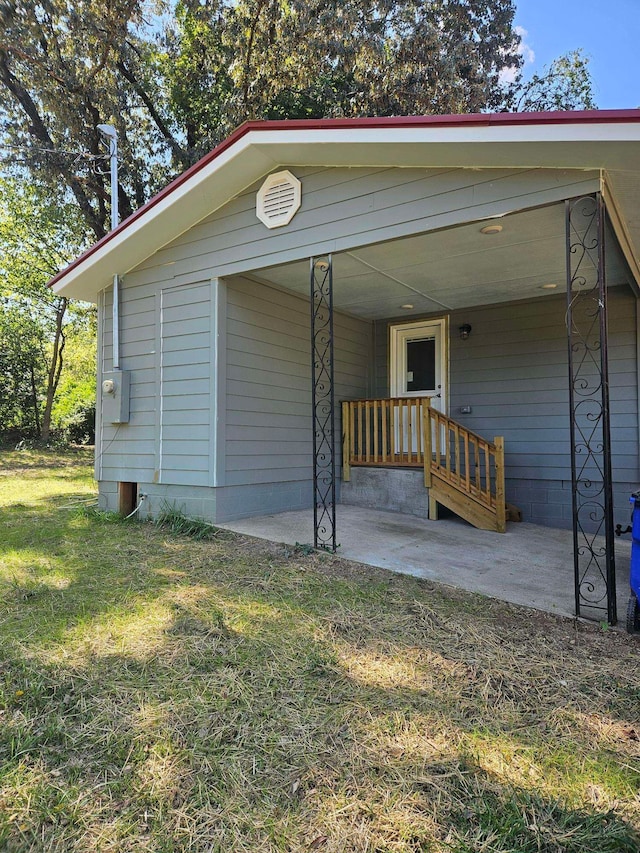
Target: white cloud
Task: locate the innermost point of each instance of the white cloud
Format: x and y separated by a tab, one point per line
509	73
525	50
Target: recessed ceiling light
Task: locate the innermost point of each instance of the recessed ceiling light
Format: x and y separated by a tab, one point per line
407	306
549	286
491	229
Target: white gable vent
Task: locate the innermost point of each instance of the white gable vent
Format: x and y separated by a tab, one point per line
278	199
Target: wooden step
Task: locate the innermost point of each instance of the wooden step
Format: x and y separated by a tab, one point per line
477	514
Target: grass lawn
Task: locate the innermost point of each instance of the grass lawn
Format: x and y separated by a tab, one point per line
160	693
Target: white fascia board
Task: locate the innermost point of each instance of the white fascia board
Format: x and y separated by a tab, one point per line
576	146
454	135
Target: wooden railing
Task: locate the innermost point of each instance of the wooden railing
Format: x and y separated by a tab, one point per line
383	432
462	470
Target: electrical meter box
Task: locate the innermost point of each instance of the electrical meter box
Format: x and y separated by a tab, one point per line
115	397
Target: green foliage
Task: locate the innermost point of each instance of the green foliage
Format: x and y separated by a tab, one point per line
73	413
196	67
174	520
65	68
565	85
175	78
21	346
253	59
527	823
39	232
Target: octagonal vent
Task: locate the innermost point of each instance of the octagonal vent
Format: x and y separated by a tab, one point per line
278	199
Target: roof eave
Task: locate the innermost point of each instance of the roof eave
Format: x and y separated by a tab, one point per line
593	140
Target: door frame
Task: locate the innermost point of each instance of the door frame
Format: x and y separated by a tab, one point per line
398	334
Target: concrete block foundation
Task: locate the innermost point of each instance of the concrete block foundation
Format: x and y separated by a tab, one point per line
393	489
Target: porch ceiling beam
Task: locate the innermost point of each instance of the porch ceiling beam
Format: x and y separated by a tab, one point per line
622	233
397	280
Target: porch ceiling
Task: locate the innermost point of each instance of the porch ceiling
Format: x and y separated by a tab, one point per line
454	268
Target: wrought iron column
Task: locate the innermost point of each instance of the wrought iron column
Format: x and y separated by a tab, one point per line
324	465
591	482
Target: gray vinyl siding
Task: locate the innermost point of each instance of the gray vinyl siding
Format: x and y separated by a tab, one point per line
343	208
185	384
268	405
512	370
513	373
127	452
165	343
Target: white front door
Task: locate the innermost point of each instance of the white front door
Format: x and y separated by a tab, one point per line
419	361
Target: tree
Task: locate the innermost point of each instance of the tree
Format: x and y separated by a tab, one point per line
228	62
39	233
65	68
21	347
175	86
565	85
175	79
74	410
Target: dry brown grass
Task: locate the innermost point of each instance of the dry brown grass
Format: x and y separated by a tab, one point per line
163	694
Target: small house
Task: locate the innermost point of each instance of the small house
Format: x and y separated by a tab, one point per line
319	309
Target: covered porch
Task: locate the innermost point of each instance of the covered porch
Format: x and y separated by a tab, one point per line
519	230
509	268
530	565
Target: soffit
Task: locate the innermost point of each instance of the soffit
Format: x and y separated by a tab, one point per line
451	269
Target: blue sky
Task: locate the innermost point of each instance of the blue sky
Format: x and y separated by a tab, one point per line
607	30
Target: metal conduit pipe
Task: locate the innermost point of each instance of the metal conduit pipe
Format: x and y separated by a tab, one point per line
109	132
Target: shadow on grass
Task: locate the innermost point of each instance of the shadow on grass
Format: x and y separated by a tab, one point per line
488	816
66	568
15	462
48	506
178	696
223	740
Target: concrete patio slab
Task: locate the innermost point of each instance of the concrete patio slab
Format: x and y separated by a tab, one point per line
528	565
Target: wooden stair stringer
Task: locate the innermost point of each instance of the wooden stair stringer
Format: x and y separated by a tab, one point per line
464	505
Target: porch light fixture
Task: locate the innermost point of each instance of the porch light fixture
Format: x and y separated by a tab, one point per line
491	229
464	331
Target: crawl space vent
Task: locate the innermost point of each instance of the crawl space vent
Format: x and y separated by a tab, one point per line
278	199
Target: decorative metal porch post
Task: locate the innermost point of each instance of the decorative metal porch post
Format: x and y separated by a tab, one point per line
324	465
591	482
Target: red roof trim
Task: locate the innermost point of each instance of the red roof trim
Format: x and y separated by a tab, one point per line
471	119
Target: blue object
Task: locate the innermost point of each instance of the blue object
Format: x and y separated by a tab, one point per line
633	605
634	578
